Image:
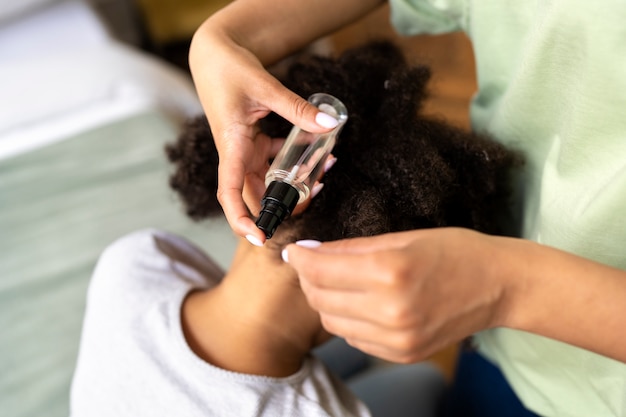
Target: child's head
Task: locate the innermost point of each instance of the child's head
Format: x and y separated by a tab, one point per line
396	169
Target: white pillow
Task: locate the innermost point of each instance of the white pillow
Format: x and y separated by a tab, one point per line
15	9
62	74
49	99
63	27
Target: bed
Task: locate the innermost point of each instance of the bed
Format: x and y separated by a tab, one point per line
83	121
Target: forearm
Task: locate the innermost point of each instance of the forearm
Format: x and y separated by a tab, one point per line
565	297
273	29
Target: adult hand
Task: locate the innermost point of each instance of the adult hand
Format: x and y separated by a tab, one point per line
236	91
227	58
404	296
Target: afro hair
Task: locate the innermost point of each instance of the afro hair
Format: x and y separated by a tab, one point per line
397	169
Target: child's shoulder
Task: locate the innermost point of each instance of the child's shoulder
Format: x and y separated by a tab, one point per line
149	264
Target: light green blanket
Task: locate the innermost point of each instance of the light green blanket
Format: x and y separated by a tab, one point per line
60	206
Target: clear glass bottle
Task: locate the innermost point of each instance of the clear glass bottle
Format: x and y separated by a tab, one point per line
298	165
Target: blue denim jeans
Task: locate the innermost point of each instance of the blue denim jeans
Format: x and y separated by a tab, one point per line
420	390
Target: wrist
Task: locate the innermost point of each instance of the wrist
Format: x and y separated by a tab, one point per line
561	296
511	270
244	27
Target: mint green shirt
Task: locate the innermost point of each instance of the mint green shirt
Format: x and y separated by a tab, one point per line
552	83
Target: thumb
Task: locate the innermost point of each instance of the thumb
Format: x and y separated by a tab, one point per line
300	112
328	269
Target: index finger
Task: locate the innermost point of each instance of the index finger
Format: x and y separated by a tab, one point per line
341	270
367	244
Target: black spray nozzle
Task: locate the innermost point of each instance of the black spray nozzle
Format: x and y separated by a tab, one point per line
277	204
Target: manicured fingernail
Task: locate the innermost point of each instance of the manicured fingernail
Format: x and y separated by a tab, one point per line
316	189
309	243
254	240
326	120
329	164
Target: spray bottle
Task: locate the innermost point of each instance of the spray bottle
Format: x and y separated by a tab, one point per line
298	165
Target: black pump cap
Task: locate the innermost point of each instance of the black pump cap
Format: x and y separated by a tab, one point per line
277	204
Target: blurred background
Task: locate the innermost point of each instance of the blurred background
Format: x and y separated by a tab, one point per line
90	91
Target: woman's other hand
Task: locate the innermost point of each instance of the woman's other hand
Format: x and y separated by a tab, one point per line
404	296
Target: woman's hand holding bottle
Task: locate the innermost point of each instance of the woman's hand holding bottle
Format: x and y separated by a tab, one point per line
228	56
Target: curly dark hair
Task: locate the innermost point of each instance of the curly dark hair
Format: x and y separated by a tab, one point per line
397	169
